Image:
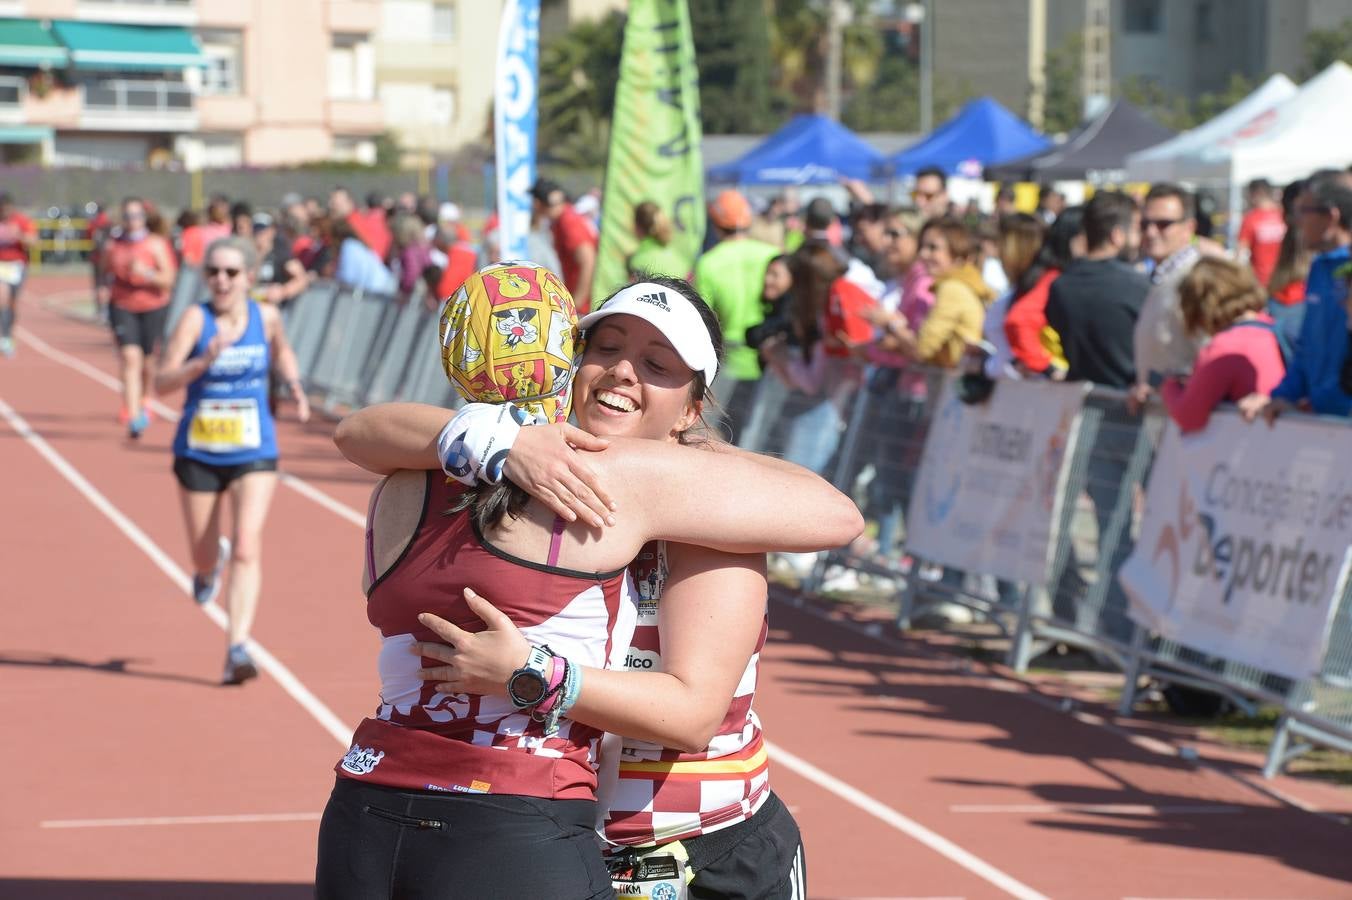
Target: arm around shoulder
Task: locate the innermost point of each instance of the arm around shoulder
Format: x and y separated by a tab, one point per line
731	502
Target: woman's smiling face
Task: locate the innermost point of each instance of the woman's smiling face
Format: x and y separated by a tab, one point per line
633	383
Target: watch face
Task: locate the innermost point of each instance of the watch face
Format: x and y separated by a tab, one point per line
526	688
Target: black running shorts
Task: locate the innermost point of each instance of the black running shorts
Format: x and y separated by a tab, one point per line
209	479
141	329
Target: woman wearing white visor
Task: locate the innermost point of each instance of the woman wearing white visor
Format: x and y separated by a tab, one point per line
693	781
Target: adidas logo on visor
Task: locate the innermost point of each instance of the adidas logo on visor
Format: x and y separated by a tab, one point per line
659	300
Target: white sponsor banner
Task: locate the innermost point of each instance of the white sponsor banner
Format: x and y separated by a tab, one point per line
986	497
1245	542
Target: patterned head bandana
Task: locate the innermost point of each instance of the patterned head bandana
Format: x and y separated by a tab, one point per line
509	335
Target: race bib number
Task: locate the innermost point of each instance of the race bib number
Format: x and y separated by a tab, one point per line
224	426
11	272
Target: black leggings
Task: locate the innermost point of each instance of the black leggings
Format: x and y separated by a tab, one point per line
377	842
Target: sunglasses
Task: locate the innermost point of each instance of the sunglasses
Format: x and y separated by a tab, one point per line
924	195
1162	224
213	271
1309	209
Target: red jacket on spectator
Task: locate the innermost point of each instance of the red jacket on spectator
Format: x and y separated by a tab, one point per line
462	259
1024	323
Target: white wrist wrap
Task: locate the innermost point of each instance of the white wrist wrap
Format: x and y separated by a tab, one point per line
473	446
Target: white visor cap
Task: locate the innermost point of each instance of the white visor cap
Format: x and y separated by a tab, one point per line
670	313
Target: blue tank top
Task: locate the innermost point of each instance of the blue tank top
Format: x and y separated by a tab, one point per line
226	421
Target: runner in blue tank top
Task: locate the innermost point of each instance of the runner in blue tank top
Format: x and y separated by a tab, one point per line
223	351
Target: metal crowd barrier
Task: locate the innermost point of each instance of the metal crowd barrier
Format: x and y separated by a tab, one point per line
868	435
876	439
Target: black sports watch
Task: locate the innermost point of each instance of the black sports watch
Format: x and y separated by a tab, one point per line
528	684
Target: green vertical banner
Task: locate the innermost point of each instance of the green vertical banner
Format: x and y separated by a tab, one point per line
654	140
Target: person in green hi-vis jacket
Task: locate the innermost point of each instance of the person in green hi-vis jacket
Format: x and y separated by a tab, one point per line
730	277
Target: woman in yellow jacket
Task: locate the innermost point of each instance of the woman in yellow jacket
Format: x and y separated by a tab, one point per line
961	296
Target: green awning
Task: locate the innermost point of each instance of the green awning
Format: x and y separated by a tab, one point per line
24	42
24	134
98	45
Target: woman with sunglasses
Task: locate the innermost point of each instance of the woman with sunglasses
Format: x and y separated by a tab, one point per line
223	351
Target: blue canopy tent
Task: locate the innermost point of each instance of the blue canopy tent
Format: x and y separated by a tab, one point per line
810	149
983	133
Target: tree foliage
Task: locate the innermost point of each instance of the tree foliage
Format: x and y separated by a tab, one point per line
579	71
1325	46
1063	77
732	49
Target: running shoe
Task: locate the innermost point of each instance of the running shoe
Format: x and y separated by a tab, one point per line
6	346
205	587
239	666
139	423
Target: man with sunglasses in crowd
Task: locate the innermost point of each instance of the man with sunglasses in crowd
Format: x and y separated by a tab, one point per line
930	193
1162	344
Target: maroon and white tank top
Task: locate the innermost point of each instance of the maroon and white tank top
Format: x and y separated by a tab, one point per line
421	739
664	795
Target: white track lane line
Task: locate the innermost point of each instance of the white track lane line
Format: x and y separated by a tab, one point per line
803	768
270	664
906	825
241	819
169	414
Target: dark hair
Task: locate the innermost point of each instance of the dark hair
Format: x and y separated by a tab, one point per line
1260	186
1330	195
956	234
1165	190
1106	211
1290	194
814	267
819	215
1046	191
240	208
872	212
934	172
1055	253
374	200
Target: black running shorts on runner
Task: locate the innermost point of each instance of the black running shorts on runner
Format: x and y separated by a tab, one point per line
759	859
377	842
140	329
209	479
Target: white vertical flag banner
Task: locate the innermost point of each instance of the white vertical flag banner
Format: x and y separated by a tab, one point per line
1246	541
515	117
988	493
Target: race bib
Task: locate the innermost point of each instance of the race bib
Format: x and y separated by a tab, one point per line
224	426
11	272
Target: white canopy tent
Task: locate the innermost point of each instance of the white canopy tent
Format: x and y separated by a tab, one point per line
1166	161
1311	130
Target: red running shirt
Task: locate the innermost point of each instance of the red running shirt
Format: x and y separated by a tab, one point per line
12	229
1262	231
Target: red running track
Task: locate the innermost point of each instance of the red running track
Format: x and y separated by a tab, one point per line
130	773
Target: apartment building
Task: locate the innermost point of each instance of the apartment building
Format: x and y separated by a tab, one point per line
434	64
434	67
198	83
1187	47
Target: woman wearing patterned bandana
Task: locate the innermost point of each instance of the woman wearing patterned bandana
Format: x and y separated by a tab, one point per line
492	794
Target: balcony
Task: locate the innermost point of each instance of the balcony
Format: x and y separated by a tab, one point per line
138	12
138	105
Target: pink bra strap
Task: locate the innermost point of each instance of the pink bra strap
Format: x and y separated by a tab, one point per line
371	536
556	540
